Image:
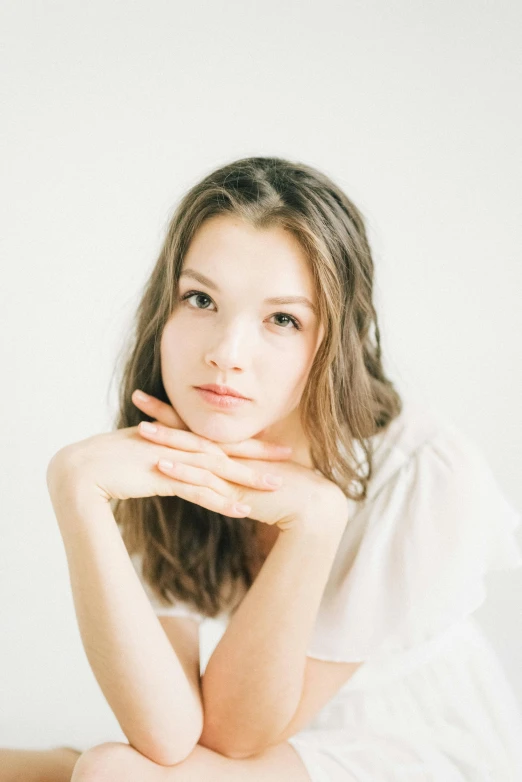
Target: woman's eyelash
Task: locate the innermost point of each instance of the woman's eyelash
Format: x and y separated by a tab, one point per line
188	295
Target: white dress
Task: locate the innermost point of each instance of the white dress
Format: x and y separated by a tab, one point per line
431	703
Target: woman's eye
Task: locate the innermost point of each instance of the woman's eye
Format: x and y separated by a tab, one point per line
198	294
191	294
293	320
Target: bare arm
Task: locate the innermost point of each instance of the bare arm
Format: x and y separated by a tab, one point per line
130	655
253	681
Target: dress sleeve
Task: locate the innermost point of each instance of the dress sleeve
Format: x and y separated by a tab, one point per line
414	559
176	608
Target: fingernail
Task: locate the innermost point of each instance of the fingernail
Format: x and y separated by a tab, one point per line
148	427
141	396
165	464
242	508
273	480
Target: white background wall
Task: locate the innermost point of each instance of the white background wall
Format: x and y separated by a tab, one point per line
111	110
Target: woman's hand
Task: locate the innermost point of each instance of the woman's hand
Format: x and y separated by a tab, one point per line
218	483
122	464
165	414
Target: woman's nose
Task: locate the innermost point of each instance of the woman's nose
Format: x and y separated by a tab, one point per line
230	349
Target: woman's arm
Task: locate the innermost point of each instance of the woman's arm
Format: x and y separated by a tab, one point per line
253	681
127	649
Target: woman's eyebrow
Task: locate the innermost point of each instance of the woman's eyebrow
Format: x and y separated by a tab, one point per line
274	300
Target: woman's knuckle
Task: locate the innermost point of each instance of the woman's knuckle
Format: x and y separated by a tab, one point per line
209	461
212	448
241	497
200	496
208	478
213	482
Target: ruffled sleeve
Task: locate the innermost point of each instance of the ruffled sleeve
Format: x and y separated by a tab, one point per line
414	556
176	608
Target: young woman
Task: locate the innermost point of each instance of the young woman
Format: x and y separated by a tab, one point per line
345	588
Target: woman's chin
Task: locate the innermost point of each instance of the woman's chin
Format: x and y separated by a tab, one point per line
221	429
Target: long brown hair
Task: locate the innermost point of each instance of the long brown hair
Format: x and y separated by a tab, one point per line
187	550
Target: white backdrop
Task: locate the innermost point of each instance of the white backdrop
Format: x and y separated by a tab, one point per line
111	110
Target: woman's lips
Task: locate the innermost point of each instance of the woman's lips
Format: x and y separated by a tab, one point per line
223	401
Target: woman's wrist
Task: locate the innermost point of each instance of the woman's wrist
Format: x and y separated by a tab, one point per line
318	523
68	483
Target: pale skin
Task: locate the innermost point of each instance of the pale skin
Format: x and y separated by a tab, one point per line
238	344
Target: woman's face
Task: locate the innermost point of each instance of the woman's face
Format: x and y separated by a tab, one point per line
227	332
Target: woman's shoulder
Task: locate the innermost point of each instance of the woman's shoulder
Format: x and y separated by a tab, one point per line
420	431
414	555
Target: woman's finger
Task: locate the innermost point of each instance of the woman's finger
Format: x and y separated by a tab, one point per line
248	449
202	488
177	438
185	448
157	409
242	474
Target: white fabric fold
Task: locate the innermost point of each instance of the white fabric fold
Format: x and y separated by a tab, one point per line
414	556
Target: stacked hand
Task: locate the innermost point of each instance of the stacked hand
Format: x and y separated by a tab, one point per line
134	462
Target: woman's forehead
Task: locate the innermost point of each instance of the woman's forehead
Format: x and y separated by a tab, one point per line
226	249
